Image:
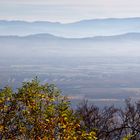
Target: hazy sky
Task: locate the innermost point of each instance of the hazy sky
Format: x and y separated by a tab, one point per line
67	10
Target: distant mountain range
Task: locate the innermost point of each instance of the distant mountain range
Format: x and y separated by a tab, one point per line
50	37
81	29
87	38
47	46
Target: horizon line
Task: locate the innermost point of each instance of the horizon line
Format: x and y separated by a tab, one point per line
55	36
76	21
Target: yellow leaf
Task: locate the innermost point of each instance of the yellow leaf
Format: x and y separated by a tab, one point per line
1	128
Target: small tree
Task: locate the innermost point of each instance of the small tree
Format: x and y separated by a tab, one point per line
38	112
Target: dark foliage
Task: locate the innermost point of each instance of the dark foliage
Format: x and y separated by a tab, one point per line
111	123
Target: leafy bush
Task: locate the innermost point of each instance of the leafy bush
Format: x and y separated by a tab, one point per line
39	112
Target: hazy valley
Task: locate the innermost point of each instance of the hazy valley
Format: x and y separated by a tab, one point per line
102	69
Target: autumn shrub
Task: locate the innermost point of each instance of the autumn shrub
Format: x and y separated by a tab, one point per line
39	112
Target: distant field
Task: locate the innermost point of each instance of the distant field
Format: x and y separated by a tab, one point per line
103	81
